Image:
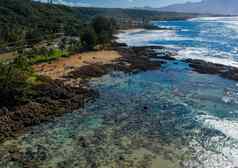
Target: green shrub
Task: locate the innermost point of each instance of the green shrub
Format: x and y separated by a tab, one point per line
44	55
74	46
14	87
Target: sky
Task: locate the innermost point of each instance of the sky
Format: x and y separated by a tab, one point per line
123	3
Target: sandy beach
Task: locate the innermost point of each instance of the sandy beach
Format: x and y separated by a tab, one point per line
61	67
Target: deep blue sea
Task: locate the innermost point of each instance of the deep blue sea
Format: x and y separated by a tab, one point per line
168	118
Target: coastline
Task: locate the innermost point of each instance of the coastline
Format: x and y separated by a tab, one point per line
66	88
60	94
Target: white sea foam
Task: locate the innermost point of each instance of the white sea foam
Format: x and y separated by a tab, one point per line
132	31
225	157
208	55
230	22
214	19
227	127
225	153
140	37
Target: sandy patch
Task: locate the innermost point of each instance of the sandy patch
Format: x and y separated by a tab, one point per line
61	67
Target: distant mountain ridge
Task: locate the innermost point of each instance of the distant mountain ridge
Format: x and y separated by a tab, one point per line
226	7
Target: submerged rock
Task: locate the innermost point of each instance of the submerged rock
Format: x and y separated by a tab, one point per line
53	99
204	67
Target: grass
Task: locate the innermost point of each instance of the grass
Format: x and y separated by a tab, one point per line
52	55
33	78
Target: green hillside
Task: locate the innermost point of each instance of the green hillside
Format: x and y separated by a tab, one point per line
24	21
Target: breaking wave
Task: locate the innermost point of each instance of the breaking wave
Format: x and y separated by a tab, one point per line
212	39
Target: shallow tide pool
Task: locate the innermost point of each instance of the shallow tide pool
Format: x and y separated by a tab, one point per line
168	118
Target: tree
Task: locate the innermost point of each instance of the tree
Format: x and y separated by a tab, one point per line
34	35
100	24
89	39
104	28
104	38
73	29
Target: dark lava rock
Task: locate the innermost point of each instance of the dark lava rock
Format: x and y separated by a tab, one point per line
140	58
89	71
3	111
116	45
204	67
28	155
166	57
39	153
83	142
16	157
232	73
52	99
145	108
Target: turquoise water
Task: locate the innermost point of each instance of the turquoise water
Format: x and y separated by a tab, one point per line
167	118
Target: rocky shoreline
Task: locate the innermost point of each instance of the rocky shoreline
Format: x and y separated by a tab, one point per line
204	67
58	96
52	99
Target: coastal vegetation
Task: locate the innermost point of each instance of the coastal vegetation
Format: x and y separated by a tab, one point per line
26	23
15	81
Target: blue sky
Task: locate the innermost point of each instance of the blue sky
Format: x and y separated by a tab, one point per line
124	3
